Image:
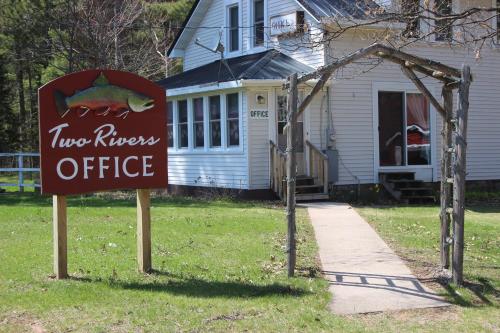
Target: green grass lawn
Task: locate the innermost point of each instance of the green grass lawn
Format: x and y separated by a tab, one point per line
219	266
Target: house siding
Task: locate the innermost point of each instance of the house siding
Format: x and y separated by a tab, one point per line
351	102
195	56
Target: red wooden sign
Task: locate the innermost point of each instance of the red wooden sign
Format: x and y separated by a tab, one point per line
102	130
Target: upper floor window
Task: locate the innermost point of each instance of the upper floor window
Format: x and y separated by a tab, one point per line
258	22
170	123
498	21
410	10
198	130
443	29
233	127
182	111
233	28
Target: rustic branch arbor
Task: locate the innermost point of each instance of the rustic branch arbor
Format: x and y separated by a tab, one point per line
454	144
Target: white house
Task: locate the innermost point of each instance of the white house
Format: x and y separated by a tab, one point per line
227	115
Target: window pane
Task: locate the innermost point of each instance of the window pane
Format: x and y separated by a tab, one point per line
234	40
233	17
170	135
233	133
418	140
232	106
443	27
170	113
259	33
259	10
390	128
232	119
215	118
183	126
183	115
198	109
183	135
199	135
215	134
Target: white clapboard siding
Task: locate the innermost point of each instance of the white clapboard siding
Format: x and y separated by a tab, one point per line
196	56
225	169
352	106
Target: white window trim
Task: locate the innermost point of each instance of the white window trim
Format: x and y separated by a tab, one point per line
227	5
406	88
224	149
251	45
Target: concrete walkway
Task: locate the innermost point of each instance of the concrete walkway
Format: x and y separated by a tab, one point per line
365	274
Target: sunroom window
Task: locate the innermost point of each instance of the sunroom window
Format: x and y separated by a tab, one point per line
443	29
198	130
233	127
170	124
215	118
182	112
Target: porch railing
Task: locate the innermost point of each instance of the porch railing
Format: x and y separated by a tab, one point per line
318	166
278	170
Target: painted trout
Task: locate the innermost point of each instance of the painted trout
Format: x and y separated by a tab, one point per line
104	98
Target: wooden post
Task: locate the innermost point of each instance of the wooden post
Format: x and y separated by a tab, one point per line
459	177
59	221
291	171
446	190
143	231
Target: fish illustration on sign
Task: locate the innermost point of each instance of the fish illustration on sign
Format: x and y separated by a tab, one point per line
103	98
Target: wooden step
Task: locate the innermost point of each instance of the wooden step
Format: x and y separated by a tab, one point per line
304	180
309	189
311	197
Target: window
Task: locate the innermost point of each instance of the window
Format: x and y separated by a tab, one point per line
443	30
214	114
404	129
410	10
199	133
498	21
258	22
233	31
233	127
170	124
183	124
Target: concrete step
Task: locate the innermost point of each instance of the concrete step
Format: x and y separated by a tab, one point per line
311	197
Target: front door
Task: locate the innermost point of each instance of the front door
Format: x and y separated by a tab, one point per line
281	108
404	129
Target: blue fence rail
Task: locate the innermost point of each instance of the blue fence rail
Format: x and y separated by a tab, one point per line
20	170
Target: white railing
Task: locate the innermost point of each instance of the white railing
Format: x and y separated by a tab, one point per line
20	170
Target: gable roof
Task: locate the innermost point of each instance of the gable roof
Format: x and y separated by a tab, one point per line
354	9
267	65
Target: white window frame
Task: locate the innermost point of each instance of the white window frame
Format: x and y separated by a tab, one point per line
252	46
228	4
224	149
406	88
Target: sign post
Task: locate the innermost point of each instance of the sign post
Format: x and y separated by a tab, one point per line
102	130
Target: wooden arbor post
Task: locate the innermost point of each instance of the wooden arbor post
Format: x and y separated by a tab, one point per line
459	174
291	171
446	188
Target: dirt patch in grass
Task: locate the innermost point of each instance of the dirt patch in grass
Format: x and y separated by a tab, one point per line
22	322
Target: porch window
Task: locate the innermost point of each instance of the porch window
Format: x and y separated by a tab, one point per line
170	124
443	29
233	127
214	114
199	133
404	129
182	115
258	22
282	110
233	32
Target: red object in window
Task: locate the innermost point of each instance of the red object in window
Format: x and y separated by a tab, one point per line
102	130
